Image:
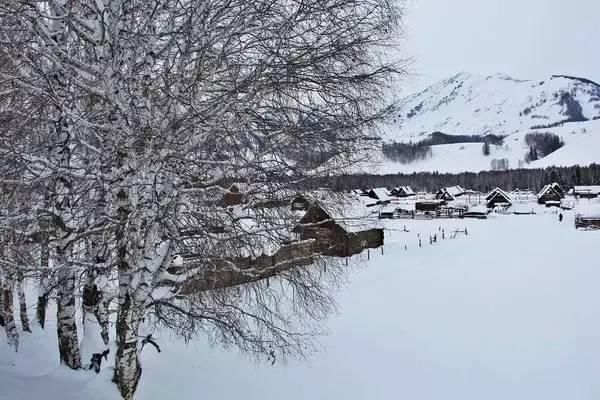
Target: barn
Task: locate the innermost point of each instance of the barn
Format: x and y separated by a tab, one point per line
380	194
429	205
450	193
586	192
478	212
340	231
587	216
497	197
402	191
550	193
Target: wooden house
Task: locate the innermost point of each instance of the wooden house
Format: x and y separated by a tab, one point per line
586	192
232	196
551	192
450	193
478	212
402	191
588	216
498	197
337	233
429	205
380	194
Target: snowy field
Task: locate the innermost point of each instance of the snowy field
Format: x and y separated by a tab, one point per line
510	311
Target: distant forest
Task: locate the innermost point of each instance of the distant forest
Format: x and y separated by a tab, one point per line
484	181
409	152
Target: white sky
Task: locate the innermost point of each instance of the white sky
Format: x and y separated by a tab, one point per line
526	39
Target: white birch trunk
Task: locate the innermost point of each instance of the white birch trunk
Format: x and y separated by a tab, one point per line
6	292
68	342
43	289
23	304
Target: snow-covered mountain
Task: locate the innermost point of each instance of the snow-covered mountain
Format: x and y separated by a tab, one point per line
474	105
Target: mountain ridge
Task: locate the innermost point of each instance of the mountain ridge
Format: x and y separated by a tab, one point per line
472	105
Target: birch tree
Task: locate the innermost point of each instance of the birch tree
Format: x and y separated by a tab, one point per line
158	105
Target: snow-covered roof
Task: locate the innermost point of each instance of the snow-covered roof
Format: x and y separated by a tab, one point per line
588	210
455	190
238	231
351	212
551	187
404	189
595	189
477	210
381	193
497	192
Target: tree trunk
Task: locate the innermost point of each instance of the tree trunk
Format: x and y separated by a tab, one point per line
23	304
95	329
6	292
43	290
68	343
127	364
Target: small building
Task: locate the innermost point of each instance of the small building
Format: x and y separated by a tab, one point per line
380	194
388	212
586	192
340	232
232	196
429	205
551	192
402	191
478	212
450	193
498	197
587	216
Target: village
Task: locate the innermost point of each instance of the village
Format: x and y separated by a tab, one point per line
342	225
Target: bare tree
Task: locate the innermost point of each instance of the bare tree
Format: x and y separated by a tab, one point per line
150	109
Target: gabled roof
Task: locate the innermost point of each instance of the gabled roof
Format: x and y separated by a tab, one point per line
404	189
453	191
497	192
381	193
349	212
551	188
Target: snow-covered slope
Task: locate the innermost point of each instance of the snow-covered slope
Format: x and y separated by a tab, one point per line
468	104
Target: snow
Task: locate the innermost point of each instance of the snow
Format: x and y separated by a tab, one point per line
469	104
589	210
586	189
509	311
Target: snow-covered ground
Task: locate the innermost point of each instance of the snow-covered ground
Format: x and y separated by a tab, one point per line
509	311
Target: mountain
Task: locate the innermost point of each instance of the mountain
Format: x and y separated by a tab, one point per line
523	122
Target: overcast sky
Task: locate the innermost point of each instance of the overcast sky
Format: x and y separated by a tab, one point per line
522	38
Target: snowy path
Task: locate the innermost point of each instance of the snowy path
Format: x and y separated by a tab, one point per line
510	312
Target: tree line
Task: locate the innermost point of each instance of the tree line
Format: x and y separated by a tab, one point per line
484	181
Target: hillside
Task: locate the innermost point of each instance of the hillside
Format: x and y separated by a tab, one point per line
470	108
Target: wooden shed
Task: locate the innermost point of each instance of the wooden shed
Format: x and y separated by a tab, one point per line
402	191
336	234
380	194
450	193
551	192
586	192
497	197
588	216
